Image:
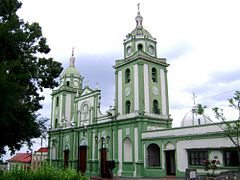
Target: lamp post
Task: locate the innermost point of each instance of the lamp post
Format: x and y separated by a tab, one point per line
84	130
104	141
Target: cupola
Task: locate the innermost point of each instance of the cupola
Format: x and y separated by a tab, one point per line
139	39
71	76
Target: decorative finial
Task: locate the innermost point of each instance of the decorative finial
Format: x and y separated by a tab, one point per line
138	5
73	51
72	59
86	82
96	87
139	18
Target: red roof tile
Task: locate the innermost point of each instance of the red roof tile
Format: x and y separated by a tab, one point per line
43	149
21	157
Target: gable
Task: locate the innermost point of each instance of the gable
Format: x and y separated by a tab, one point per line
87	91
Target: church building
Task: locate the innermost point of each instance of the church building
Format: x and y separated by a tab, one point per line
136	132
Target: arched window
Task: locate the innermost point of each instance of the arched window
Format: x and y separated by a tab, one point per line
154	74
127	76
68	83
153	155
57	101
56	123
140	47
156	109
128	107
127	150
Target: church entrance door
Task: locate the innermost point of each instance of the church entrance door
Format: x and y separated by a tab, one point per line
170	162
82	158
104	173
66	158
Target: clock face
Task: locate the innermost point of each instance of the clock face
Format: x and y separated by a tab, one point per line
127	91
129	50
75	83
151	50
155	90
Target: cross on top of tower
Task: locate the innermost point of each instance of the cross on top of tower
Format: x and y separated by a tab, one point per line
194	99
73	51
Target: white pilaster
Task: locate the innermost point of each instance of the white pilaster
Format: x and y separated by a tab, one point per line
136	143
53	112
120	152
163	92
146	88
68	106
120	92
135	149
93	146
136	92
60	109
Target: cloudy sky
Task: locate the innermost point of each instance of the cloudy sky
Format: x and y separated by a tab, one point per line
199	38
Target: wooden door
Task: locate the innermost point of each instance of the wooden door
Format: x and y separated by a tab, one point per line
82	159
170	162
103	162
66	158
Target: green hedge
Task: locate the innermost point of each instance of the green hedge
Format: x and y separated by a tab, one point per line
46	172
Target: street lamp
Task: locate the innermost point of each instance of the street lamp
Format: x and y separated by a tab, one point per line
103	140
84	129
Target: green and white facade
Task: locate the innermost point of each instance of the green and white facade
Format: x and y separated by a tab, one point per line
137	131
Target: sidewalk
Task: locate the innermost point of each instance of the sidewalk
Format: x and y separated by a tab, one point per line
126	178
164	178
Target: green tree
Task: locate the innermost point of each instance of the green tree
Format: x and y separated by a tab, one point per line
23	76
230	128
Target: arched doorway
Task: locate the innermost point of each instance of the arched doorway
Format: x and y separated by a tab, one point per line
82	155
66	158
82	158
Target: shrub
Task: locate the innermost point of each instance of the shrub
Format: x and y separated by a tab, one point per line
46	172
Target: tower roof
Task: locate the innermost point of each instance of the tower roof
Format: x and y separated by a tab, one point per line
71	70
139	30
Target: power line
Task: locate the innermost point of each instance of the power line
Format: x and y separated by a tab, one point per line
208	97
216	95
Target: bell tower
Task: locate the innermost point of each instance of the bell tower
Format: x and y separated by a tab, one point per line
63	97
141	77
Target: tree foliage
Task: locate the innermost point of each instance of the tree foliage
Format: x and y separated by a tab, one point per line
23	76
230	128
